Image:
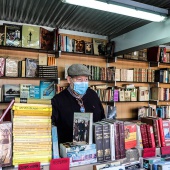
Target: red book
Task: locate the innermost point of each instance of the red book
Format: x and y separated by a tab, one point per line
166	129
145	141
161	132
150	134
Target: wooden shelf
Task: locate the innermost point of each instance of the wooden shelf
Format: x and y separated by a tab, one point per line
27	49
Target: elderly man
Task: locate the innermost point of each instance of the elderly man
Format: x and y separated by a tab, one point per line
76	98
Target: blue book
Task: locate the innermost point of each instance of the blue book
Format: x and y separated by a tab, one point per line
55	151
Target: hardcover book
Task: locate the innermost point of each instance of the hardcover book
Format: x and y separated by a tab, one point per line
99	46
2	35
11	67
31	67
46	39
82	128
13	34
98	140
30	36
24	90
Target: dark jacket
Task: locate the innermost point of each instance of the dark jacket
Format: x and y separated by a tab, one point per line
64	105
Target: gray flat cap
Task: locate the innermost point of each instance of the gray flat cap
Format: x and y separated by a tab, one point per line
78	70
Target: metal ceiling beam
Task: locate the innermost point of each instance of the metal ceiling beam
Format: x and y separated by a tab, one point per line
152	34
138	5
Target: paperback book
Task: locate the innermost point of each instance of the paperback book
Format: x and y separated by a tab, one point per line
82	128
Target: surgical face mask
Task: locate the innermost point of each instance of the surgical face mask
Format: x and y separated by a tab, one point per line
80	87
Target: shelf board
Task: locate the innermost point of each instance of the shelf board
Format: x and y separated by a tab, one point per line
82	55
27	49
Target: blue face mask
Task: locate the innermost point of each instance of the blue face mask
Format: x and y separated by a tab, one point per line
80	87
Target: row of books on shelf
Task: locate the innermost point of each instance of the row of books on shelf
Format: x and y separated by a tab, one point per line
43	67
155	54
45	90
26	36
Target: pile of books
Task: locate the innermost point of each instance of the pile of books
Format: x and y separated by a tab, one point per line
31	133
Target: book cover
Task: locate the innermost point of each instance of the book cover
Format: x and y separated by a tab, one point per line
10	91
5	144
46	39
153	54
2	35
11	67
88	48
111	112
130	135
82	128
47	89
24	90
13	34
99	46
31	67
30	36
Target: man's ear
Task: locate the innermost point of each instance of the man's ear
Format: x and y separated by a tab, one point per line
69	79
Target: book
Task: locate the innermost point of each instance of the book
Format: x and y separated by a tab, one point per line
32	101
33	113
99	46
11	67
106	165
55	150
111	112
30	36
46	39
13	34
153	53
98	140
83	123
24	90
2	66
31	67
130	135
47	89
6	143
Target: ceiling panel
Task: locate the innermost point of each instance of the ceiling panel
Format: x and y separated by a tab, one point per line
54	13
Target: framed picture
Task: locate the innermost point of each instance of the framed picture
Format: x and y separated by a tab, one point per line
88	48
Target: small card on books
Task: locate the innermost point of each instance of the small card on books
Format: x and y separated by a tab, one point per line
82	128
60	164
29	166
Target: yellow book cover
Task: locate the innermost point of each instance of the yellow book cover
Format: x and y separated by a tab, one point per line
32	153
32	137
32	101
31	108
31	117
23	120
27	130
32	140
31	133
31	149
32	144
19	126
30	36
32	113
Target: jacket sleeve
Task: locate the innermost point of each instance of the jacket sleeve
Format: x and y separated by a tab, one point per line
55	112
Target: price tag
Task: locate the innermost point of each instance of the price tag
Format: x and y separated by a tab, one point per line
29	166
60	164
149	152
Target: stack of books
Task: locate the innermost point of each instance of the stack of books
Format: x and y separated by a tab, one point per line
31	133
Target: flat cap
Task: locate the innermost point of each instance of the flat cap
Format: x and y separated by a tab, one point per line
78	70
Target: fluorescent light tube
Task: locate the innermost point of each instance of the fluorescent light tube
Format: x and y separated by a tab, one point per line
132	12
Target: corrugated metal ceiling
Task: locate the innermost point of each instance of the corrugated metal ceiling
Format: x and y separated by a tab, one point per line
54	13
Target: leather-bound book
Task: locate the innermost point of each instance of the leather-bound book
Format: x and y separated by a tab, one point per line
153	54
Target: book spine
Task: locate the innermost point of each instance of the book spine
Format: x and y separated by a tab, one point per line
106	142
98	140
148	128
122	140
161	132
156	130
117	141
144	136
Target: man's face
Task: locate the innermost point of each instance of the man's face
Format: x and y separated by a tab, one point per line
71	80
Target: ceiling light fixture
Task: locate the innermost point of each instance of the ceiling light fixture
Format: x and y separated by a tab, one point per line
119	9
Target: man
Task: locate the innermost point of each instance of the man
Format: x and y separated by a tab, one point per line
76	98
